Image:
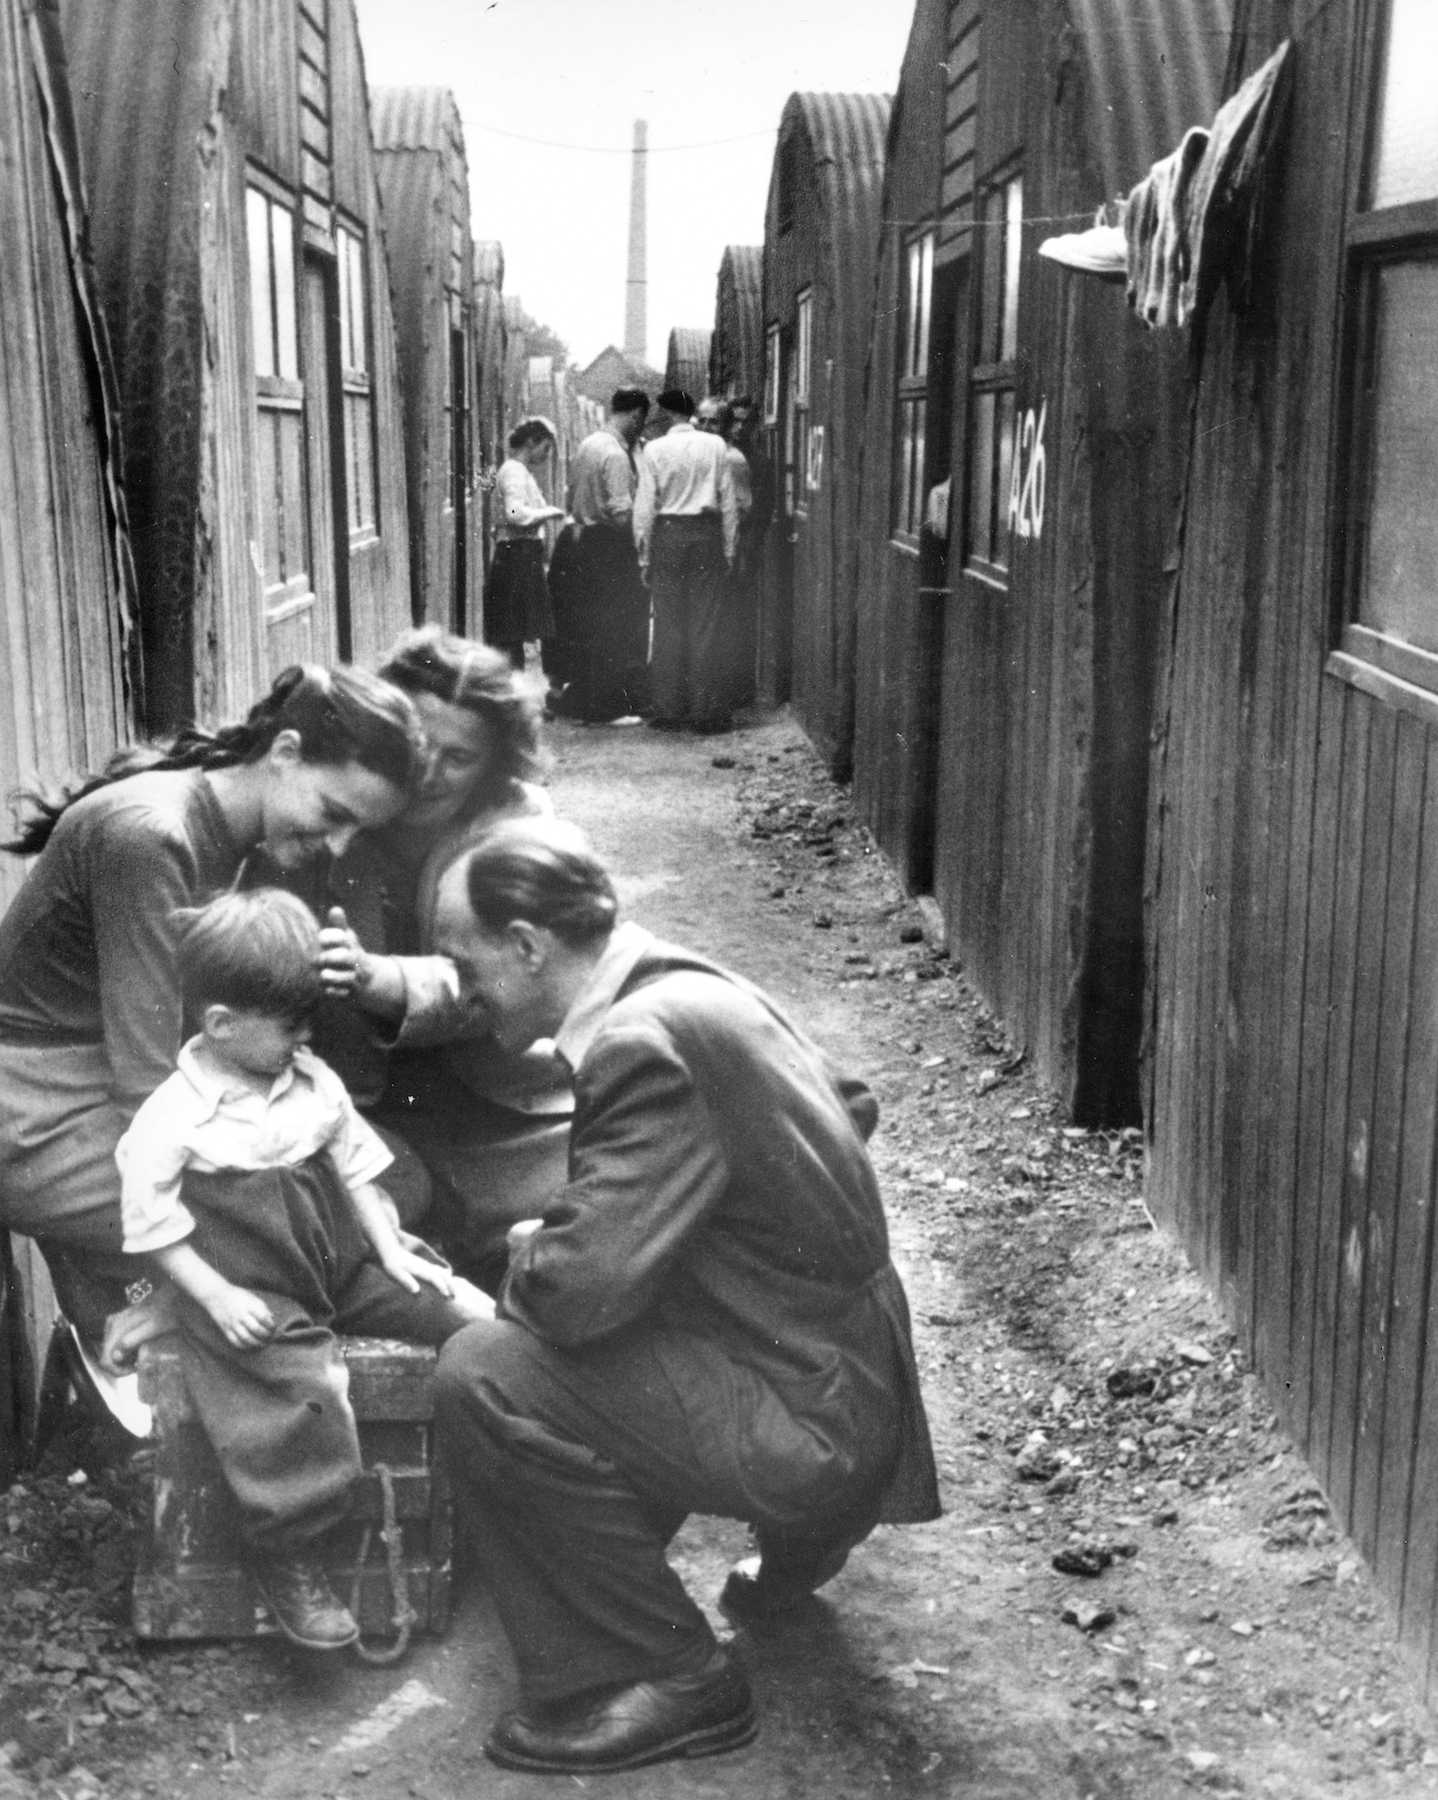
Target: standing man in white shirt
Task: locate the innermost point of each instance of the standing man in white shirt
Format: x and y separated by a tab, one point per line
607	623
686	529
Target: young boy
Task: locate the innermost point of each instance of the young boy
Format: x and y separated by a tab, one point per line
248	1177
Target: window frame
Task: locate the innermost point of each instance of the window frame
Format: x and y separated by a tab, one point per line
773	359
913	353
356	377
997	304
807	472
279	394
1376	238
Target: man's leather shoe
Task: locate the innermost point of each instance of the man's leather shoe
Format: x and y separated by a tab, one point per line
299	1595
677	1715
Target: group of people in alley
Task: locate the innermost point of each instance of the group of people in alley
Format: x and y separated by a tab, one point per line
324	1023
659	527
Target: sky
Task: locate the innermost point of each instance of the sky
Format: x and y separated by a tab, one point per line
578	73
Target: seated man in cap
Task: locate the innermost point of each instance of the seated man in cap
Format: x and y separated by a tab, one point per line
686	529
705	1319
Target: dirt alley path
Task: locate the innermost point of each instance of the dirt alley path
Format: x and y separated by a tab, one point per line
1086	1403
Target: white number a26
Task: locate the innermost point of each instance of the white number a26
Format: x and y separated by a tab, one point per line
1026	488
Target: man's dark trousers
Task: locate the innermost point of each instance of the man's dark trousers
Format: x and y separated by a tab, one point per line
686	578
577	1469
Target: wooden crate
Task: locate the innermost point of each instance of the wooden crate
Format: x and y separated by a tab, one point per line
191	1580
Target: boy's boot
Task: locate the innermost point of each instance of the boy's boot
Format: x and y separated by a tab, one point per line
297	1591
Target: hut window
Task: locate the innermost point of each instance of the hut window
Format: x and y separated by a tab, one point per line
992	409
279	397
771	376
355	382
1393	535
812	455
912	461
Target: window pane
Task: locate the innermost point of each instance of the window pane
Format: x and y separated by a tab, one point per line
270	502
1406	163
345	271
926	283
257	215
1013	249
294	519
358	291
991	262
771	378
981	480
283	239
806	317
1400	577
1006	472
916	497
910	363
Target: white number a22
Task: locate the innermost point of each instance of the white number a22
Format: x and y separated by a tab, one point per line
1030	469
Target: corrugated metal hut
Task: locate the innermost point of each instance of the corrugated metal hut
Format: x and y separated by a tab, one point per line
821	230
736	349
1007	656
235	221
686	363
69	675
516	367
424	184
489	358
1293	1096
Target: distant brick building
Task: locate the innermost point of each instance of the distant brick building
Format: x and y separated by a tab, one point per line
612	369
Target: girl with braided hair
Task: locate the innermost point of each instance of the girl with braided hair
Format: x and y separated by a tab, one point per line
90	1008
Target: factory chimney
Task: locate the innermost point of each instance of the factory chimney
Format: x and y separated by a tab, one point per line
636	314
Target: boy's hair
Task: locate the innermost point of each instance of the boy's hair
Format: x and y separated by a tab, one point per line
255	952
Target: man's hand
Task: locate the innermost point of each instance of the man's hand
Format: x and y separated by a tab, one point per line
346	967
242	1316
408	1269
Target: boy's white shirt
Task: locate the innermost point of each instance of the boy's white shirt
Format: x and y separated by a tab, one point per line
195	1121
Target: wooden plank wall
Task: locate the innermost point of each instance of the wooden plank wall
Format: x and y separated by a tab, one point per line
63	706
1293	881
379	570
899	629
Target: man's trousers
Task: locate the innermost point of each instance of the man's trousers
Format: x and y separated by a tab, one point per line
690	658
576	1468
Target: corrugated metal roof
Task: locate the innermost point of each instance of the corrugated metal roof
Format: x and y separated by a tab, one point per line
415	118
489	262
846	136
847	130
687	363
1152	68
736	351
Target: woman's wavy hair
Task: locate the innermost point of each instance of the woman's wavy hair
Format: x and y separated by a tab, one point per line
340	715
482	681
545	871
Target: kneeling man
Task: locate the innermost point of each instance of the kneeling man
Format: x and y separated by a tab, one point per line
706	1320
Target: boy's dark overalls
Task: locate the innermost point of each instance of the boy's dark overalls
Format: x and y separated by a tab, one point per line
265	1446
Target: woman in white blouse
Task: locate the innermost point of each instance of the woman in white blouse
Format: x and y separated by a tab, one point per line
516	607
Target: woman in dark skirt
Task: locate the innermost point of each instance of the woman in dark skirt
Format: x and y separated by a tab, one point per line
516	607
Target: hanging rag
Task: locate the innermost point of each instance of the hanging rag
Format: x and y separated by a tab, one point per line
1223	204
1100	251
1155	232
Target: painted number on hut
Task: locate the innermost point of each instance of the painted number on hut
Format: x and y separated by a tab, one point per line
1026	489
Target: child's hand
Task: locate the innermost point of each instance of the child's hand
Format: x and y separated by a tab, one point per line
242	1316
409	1270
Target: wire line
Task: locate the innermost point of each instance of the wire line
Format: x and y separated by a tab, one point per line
621	149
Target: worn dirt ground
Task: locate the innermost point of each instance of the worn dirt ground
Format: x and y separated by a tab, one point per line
1086	1403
